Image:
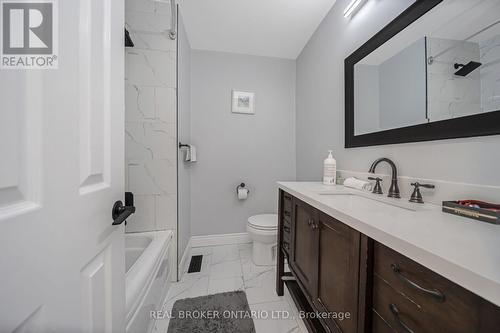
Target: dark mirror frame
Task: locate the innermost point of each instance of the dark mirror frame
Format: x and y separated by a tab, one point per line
463	127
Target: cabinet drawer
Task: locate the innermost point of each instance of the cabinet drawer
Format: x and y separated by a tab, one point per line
408	315
287	228
287	206
379	325
287	236
411	278
286	246
427	301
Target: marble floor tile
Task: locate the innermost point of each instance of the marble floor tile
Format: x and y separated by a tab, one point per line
245	251
226	269
251	271
225	284
225	253
233	270
261	288
160	326
275	317
190	286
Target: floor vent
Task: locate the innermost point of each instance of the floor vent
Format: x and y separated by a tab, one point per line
195	264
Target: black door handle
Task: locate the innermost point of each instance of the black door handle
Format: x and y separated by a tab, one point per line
121	212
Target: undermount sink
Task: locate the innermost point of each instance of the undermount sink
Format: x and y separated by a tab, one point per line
369	201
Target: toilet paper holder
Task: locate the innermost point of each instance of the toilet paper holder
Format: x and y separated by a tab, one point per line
242	185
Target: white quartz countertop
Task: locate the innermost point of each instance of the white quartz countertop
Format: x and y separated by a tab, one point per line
463	250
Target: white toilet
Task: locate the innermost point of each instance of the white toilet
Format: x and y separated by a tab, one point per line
263	230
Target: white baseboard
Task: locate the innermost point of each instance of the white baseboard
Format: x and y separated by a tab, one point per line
185	258
222	239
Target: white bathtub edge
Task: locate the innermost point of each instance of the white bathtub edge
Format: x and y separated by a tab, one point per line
142	273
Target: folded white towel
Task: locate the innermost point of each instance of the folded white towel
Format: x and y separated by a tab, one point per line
358	184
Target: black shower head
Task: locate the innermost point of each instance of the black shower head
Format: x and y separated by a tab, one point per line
128	40
466	69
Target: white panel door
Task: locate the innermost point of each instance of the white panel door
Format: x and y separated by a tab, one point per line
62	168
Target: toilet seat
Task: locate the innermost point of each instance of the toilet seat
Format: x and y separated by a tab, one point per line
263	222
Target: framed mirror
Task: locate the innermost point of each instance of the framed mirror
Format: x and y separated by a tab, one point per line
431	74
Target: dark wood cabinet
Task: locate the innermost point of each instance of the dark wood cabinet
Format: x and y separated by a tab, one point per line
408	296
304	246
338	273
324	256
357	285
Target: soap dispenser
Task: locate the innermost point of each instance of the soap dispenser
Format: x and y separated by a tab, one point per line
330	170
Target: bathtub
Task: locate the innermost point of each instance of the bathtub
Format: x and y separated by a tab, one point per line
148	263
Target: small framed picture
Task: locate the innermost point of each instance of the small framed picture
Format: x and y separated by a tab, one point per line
243	102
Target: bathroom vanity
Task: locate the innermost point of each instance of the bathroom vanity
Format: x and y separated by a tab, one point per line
360	262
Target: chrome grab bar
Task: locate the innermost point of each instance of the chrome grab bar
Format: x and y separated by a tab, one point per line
173	29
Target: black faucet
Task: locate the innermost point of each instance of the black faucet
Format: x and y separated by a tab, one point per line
394	190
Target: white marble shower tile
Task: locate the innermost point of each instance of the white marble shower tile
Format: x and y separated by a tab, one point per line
139	103
159	41
150	68
163	7
152	177
166	211
452	96
490	81
144	217
149	22
166	104
150	141
147	6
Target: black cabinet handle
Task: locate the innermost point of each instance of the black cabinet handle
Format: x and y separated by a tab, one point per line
395	312
432	292
121	212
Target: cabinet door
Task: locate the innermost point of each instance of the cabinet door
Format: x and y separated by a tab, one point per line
338	272
304	246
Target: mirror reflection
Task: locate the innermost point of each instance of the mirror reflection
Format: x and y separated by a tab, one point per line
445	65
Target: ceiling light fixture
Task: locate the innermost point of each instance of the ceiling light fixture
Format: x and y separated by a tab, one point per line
351	7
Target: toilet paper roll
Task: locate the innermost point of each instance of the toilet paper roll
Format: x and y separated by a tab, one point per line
242	193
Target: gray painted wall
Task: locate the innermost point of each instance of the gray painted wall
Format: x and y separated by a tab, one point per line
184	135
320	110
233	148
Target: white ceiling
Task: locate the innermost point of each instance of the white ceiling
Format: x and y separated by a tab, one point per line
274	28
